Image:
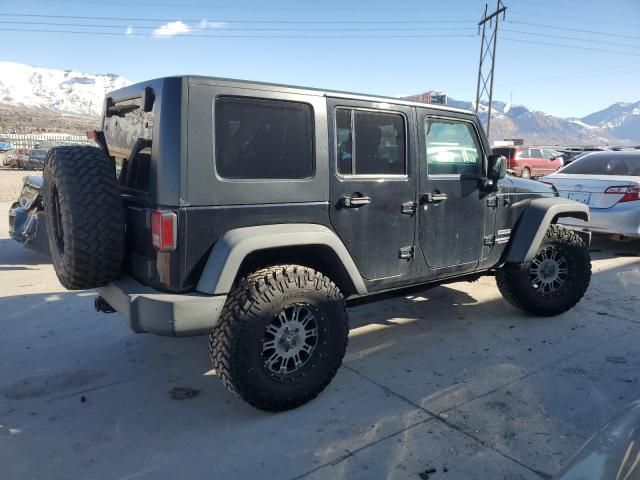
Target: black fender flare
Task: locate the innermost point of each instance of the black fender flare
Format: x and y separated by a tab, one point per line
235	245
534	222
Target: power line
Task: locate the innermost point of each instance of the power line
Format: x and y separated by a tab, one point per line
593	49
306	29
347	22
557	27
563	37
200	35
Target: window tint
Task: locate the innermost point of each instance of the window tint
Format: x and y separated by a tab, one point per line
604	164
263	139
452	148
370	143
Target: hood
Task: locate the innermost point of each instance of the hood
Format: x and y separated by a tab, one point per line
521	185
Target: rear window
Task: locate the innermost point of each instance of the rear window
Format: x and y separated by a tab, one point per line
263	139
604	164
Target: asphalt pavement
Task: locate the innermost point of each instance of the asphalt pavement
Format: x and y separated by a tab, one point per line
451	383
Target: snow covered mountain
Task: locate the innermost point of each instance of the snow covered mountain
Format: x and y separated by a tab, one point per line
33	98
622	119
518	121
63	91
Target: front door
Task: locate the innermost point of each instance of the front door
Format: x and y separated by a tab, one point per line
373	189
452	205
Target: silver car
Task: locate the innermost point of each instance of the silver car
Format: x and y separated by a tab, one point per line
609	182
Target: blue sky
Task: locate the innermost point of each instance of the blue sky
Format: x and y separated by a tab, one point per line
439	51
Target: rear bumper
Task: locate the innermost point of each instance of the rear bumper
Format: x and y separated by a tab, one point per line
151	311
617	220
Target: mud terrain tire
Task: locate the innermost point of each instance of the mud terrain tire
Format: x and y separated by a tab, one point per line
527	287
240	342
84	213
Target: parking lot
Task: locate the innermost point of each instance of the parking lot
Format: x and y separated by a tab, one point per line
452	379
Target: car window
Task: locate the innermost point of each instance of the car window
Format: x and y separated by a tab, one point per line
604	164
535	153
452	148
523	153
548	153
257	138
370	143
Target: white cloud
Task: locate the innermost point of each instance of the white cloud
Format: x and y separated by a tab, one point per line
172	28
204	23
129	30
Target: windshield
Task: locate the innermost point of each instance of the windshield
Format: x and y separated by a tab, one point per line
604	163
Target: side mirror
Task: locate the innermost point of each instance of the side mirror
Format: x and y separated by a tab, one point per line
496	168
553	158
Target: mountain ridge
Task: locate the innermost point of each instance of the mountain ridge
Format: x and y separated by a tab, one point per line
38	99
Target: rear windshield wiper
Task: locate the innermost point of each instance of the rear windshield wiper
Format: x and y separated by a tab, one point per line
121	110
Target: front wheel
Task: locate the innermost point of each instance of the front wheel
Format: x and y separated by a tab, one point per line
554	281
281	337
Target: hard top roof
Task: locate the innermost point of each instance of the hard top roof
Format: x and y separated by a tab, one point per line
196	79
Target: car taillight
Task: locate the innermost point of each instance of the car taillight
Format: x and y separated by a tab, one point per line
164	230
630	192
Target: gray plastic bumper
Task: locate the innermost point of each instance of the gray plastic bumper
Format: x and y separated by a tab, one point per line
150	311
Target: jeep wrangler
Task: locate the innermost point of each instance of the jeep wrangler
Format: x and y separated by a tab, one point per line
256	213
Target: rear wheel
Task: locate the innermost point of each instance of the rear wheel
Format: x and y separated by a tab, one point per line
554	281
281	337
85	222
526	173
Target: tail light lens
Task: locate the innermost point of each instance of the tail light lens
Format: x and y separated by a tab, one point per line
630	192
164	230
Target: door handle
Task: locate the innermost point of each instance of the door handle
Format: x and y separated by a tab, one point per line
354	202
434	197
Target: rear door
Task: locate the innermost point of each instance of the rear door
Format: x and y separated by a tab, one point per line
452	207
373	188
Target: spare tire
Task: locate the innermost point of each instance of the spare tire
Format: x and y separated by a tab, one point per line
85	220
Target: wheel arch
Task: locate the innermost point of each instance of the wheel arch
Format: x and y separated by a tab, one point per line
534	222
242	250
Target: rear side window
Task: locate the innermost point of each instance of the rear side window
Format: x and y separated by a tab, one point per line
263	139
370	143
604	164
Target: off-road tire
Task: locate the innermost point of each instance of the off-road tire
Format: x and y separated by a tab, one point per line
235	342
84	213
515	284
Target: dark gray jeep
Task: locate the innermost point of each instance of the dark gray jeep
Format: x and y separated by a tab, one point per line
256	213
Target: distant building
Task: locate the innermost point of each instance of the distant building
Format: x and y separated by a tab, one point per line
435	97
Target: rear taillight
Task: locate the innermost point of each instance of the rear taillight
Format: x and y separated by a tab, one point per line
164	230
630	192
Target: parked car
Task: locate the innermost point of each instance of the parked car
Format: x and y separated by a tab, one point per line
609	183
27	224
530	162
254	212
611	453
35	159
17	158
5	146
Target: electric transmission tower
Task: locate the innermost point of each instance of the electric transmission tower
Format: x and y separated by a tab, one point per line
489	26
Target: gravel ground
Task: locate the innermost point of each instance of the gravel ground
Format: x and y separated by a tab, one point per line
11	181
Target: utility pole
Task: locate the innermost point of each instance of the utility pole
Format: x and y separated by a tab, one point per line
489	26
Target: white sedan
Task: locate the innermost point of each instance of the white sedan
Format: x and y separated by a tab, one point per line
609	182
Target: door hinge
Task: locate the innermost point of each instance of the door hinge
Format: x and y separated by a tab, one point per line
489	241
492	201
407	252
408	208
